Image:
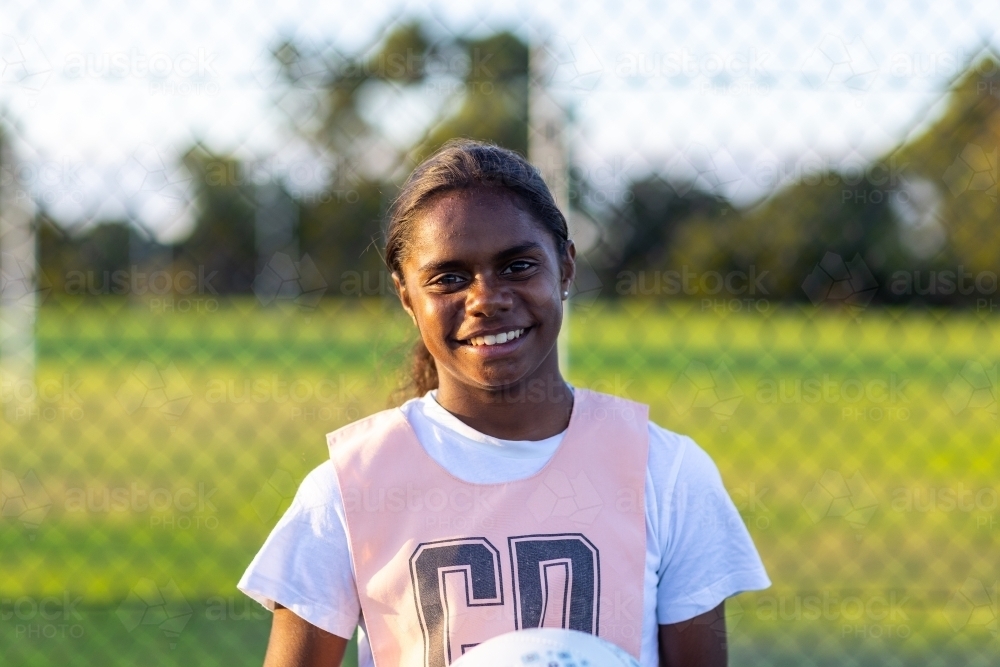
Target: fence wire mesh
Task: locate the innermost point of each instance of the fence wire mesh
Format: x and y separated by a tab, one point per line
789	242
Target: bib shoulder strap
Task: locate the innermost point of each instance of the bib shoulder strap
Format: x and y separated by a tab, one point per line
358	441
610	411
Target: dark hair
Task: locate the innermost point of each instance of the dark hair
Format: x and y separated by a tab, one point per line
462	164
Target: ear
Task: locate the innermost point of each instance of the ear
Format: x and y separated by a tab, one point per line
567	267
404	296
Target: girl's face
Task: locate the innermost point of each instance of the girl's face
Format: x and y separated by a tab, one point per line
480	269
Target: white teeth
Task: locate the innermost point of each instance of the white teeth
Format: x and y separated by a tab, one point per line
497	339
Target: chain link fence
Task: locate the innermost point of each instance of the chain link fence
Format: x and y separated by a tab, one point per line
789	236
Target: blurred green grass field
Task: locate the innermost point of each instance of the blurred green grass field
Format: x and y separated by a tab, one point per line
155	451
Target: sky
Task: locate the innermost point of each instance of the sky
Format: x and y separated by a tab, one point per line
741	95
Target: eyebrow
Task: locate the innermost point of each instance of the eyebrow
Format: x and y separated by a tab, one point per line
520	249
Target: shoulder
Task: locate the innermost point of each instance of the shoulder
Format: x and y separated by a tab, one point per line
608	415
317	501
319	488
364	430
611	405
676	457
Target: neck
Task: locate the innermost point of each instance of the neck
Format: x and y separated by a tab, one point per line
534	408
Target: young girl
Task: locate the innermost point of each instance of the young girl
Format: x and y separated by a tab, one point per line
501	497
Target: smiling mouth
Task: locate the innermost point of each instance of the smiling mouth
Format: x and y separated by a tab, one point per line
497	339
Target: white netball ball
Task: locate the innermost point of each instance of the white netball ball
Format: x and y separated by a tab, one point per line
546	647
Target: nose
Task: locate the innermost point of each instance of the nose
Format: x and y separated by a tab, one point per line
486	297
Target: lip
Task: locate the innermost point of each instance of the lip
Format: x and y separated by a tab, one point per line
490	332
499	349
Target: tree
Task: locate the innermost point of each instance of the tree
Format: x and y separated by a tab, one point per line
957	156
486	83
223	239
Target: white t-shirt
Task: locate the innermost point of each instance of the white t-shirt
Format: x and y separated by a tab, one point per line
698	550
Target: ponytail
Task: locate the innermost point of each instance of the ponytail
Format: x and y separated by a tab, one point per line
423	375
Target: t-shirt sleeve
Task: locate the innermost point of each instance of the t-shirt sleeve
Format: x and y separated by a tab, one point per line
305	563
707	554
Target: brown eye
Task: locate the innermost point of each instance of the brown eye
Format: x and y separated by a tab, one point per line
518	267
448	279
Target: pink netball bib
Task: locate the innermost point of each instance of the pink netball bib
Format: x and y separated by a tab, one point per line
442	565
